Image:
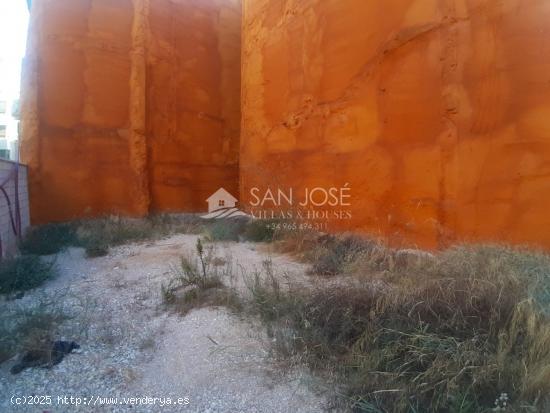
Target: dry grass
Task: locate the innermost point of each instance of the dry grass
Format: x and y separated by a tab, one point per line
465	331
301	243
244	229
230	229
98	235
451	333
333	254
258	230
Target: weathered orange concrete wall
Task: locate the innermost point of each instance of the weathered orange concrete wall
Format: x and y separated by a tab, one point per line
193	105
130	106
76	95
436	112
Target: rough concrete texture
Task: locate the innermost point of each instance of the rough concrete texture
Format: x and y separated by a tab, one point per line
130	106
434	111
193	105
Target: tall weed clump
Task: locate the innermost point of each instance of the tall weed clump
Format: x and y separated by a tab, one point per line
199	282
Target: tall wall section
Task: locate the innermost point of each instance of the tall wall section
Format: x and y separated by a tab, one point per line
435	112
193	101
130	106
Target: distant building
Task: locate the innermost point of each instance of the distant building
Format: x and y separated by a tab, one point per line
9	127
4	148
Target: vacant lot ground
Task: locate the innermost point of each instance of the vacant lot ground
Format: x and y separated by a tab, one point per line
221	326
132	347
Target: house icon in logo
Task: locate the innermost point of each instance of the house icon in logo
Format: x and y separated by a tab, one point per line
221	199
222	204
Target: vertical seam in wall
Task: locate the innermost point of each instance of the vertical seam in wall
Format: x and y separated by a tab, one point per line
138	138
446	232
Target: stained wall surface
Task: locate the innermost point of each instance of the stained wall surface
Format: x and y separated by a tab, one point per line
120	114
436	112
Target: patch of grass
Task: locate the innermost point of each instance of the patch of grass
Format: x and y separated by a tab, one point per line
97	249
167	224
258	230
24	273
197	298
238	229
98	235
452	334
49	239
333	254
231	229
526	271
299	242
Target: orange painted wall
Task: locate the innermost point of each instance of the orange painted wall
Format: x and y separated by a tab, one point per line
130	106
76	95
193	101
436	112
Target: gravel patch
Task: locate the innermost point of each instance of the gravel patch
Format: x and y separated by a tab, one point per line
131	348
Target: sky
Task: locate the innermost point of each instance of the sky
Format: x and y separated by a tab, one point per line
13	36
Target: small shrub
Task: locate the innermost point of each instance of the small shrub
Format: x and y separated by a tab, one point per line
266	294
24	273
49	239
198	283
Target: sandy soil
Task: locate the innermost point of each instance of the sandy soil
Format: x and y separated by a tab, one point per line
131	347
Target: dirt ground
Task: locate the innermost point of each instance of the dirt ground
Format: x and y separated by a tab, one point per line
131	347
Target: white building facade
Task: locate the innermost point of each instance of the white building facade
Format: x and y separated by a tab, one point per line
14	16
9	126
